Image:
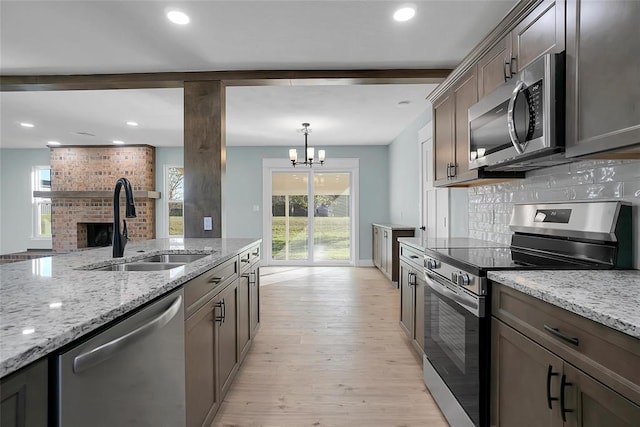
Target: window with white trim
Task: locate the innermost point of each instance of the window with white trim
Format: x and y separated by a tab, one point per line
174	178
41	181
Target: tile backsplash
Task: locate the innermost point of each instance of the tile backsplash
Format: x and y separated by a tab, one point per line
490	206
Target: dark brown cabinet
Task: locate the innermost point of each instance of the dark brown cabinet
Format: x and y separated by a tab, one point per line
550	367
412	286
386	249
248	299
222	318
227	336
23	397
451	131
541	31
603	78
202	394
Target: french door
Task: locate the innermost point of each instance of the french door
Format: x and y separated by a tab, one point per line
311	217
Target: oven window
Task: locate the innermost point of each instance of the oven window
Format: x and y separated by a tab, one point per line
448	331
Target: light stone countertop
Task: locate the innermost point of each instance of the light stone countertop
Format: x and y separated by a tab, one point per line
49	302
609	297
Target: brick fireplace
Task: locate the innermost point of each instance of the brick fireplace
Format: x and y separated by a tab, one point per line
82	183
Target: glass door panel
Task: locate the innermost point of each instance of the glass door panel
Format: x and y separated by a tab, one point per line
289	216
331	216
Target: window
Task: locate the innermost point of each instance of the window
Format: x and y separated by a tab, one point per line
41	181
175	199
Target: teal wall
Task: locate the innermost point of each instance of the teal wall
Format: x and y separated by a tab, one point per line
404	174
16	214
243	188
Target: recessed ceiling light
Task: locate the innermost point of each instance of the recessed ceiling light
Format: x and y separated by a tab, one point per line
118	142
178	17
53	143
404	13
26	125
132	123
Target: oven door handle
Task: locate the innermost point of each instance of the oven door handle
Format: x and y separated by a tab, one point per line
511	124
468	302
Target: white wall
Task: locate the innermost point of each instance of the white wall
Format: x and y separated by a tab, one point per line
16	211
404	174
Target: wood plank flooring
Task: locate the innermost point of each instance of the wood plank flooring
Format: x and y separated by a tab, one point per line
329	352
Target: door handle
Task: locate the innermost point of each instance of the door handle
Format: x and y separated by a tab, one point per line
563	409
105	351
519	146
550	374
220	318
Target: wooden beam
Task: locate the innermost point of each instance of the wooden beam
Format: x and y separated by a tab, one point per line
229	78
204	157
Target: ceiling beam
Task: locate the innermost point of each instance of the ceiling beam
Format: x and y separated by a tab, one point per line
230	78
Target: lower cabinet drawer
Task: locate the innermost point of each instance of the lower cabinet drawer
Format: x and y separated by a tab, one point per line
606	354
411	255
197	290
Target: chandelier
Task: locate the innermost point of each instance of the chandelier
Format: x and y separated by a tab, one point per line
308	151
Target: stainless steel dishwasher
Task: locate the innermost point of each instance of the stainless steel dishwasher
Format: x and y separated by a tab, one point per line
132	374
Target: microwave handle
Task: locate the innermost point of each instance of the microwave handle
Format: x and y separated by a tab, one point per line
511	121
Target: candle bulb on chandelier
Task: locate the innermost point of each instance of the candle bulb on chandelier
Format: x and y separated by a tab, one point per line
321	154
310	153
293	155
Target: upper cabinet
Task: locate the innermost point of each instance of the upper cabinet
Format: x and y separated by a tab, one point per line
451	131
603	77
541	31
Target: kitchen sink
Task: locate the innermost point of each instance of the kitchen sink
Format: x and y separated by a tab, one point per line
141	266
183	258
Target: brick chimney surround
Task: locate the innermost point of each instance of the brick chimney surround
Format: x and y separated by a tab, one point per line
82	183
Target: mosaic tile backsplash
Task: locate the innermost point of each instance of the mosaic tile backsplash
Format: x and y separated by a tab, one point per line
490	206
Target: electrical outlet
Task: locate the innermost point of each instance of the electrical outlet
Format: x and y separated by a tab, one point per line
256	208
208	223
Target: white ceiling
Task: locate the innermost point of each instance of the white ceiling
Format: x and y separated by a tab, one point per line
91	36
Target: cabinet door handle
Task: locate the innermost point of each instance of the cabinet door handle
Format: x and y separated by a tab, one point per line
564	383
557	333
224	310
453	169
550	374
220	318
507	65
448	170
513	59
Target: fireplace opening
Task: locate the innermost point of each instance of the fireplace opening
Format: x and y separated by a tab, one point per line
99	234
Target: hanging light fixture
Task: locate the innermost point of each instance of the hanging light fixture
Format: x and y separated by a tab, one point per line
309	152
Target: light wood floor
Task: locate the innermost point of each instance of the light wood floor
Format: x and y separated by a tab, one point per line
329	352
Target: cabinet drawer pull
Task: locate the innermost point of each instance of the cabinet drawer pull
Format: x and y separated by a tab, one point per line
550	374
564	383
215	280
414	256
256	253
244	260
557	333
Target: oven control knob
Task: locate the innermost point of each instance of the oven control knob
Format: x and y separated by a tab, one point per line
432	264
463	279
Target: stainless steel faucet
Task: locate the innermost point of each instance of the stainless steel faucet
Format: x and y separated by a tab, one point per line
120	240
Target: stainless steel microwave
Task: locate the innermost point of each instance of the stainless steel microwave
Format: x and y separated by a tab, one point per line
520	126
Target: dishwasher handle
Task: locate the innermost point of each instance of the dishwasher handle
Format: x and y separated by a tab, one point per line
103	352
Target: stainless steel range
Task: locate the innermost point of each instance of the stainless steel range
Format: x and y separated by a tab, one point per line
573	236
